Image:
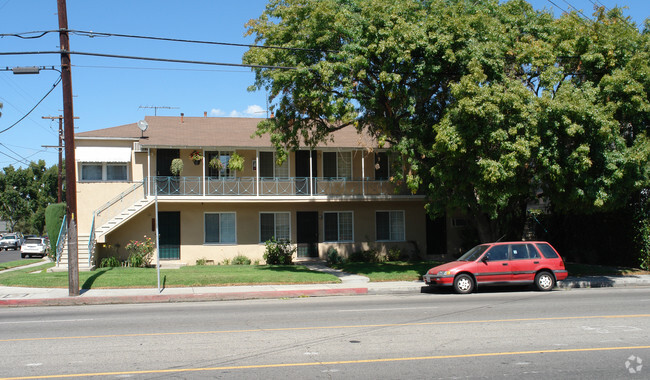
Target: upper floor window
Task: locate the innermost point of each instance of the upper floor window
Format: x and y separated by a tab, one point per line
221	158
269	167
337	164
103	171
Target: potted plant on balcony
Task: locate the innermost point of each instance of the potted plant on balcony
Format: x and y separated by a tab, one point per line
215	163
196	157
236	162
177	166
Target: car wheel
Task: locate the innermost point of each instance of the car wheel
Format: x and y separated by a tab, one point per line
463	284
22	255
544	281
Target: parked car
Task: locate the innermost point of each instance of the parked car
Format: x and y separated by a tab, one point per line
13	241
512	263
35	246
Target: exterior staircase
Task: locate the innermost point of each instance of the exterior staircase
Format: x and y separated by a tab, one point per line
82	252
126	214
84	264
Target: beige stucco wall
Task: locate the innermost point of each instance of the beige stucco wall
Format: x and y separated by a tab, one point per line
247	228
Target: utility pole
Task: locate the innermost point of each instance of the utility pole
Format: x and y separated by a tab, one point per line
70	177
59	189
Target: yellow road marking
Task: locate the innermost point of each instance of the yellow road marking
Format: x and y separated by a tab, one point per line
311	364
328	327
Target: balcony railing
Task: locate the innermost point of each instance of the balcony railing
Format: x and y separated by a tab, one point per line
289	186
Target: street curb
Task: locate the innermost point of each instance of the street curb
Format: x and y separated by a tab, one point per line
171	298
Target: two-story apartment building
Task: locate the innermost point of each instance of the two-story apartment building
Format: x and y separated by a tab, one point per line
338	195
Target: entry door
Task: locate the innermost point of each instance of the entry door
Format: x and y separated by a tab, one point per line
302	170
169	226
307	233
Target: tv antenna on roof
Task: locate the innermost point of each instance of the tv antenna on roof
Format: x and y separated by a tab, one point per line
155	108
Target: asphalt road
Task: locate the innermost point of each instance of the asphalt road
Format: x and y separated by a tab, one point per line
574	334
10	255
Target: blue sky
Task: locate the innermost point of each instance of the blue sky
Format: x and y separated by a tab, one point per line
108	92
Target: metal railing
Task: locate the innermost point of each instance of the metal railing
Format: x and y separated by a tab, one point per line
276	186
115	206
91	242
60	240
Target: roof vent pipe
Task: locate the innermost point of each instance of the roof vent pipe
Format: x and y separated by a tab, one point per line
205	113
182	116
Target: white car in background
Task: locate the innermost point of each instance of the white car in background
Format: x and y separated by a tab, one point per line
35	246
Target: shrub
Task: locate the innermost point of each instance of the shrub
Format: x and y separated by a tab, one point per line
176	167
225	262
394	254
140	252
201	261
53	218
278	252
369	256
241	260
333	257
109	262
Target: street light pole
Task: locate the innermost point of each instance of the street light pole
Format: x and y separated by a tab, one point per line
70	175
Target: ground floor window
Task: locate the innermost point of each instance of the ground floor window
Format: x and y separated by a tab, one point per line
338	226
220	228
274	224
390	225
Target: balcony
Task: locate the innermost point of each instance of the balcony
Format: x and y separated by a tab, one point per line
253	187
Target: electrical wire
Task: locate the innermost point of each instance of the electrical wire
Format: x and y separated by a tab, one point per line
92	34
168	60
33	108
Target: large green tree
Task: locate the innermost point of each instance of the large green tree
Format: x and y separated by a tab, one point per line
25	193
488	105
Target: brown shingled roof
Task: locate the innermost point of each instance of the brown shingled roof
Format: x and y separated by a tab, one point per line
178	132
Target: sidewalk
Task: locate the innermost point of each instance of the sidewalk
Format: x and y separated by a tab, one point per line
350	285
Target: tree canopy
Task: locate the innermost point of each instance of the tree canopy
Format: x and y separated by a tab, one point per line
25	193
489	105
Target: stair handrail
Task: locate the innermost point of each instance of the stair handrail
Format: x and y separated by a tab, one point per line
60	240
91	242
108	210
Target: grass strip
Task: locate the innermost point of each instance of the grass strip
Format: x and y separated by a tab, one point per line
221	275
18	263
390	271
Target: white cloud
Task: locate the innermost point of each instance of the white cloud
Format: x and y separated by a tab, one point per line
254	110
217	112
235	113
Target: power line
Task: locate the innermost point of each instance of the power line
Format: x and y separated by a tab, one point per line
577	10
168	60
33	108
92	34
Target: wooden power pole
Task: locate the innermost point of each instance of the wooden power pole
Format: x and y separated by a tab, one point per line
70	175
59	189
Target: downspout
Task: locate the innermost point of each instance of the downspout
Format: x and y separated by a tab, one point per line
363	174
149	181
311	174
257	172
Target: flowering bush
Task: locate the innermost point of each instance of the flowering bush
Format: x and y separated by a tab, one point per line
140	252
215	163
196	156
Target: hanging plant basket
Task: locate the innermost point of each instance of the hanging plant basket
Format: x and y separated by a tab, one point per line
236	162
215	163
177	166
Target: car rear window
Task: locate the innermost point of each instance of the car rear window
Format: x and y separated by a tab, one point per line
33	241
547	251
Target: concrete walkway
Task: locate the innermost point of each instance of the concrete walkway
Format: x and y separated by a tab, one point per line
350	285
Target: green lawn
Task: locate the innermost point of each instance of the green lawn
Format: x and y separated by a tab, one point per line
17	263
208	275
390	271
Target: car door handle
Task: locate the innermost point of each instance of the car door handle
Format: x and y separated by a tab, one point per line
505	264
535	262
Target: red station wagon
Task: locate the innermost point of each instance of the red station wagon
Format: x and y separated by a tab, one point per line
520	262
